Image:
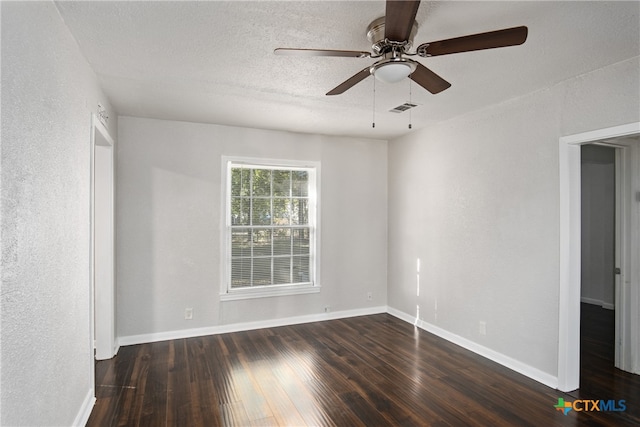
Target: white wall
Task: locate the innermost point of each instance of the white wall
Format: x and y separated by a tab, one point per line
598	225
168	224
48	95
476	199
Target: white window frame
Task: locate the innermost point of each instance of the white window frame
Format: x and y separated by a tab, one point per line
226	292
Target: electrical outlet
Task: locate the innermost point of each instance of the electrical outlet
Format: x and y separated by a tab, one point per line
188	313
482	328
369	296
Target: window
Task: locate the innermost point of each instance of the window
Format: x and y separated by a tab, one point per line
271	228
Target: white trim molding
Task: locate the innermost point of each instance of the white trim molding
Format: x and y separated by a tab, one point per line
506	361
570	250
85	410
599	303
269	291
570	253
602	134
248	326
102	250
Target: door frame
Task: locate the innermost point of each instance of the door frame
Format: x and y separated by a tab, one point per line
570	248
102	288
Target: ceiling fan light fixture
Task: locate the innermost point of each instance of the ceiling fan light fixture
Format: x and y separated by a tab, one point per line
393	70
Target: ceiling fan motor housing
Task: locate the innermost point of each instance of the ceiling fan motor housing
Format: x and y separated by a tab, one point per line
381	45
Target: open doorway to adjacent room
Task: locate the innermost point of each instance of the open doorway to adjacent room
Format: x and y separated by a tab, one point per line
600	243
599	329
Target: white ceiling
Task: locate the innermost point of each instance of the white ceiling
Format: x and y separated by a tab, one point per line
213	61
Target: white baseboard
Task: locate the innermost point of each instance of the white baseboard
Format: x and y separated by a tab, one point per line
85	410
237	327
515	365
593	301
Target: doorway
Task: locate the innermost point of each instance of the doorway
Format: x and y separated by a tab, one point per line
102	242
627	328
600	243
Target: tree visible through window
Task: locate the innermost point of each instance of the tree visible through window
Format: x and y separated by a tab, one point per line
270	224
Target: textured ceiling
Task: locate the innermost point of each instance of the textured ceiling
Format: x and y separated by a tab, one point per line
213	61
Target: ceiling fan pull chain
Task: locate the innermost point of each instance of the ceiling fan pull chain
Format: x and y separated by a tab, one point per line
410	102
373	122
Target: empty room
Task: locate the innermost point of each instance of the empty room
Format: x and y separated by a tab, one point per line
320	213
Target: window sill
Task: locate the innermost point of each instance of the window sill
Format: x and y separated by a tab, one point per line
266	292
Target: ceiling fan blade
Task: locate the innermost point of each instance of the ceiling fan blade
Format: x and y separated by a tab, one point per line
350	82
492	39
429	80
399	18
321	52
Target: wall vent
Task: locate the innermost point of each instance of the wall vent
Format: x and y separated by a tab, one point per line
404	107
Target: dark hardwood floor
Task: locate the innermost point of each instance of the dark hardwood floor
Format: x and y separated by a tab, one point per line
363	371
599	378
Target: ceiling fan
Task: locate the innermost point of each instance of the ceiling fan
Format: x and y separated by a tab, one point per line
392	37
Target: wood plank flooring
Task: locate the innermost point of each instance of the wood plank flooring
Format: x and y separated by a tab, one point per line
598	375
362	371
